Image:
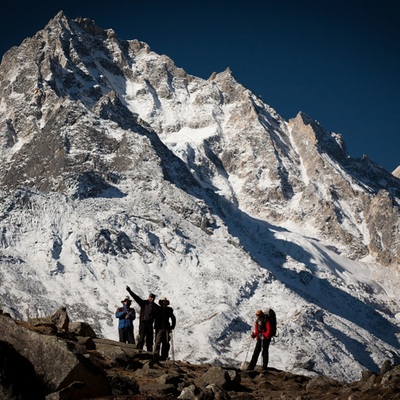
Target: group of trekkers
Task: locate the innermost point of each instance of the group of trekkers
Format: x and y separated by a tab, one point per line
160	317
152	317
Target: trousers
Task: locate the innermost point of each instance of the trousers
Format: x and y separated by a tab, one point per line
126	335
146	335
262	344
162	342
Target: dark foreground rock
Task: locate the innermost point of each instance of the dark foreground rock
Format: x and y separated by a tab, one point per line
50	360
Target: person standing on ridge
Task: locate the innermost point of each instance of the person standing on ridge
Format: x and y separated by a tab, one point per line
263	333
126	316
163	328
146	319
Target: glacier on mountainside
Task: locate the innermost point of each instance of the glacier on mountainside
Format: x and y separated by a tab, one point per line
118	168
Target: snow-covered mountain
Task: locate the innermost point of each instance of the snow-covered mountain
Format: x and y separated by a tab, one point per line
118	168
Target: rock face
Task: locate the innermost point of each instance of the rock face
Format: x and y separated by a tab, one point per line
120	371
18	378
75	75
58	363
117	167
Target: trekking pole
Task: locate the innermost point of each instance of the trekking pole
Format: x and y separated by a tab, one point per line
248	348
172	346
244	363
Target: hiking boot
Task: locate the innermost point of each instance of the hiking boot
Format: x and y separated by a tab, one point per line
251	373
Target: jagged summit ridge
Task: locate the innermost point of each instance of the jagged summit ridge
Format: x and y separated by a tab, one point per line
117	167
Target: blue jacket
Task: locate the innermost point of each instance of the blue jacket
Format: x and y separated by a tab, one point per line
124	322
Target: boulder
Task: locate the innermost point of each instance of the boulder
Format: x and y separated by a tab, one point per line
234	377
173	379
13	367
58	318
54	360
87	342
217	393
122	354
191	392
82	329
216	376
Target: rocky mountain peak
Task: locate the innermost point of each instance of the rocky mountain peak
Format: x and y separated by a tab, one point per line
118	167
89	26
314	135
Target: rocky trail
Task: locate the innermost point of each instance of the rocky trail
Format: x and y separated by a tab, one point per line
63	360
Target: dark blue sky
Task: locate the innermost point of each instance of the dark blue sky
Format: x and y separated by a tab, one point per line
338	61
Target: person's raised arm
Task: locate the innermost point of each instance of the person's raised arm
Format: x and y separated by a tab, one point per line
135	296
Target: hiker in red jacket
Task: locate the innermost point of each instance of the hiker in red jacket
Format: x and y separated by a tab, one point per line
262	332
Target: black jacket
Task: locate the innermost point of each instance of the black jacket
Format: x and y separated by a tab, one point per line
163	316
147	308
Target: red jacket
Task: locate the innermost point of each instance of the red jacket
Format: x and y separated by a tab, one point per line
262	329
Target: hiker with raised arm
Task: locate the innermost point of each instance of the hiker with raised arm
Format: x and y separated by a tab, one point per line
146	319
262	332
126	316
165	322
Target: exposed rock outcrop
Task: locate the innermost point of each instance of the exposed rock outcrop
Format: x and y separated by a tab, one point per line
57	367
117	167
58	363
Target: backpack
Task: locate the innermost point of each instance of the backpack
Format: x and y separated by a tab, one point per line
270	314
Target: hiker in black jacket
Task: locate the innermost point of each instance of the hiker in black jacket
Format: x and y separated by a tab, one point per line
146	319
163	328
